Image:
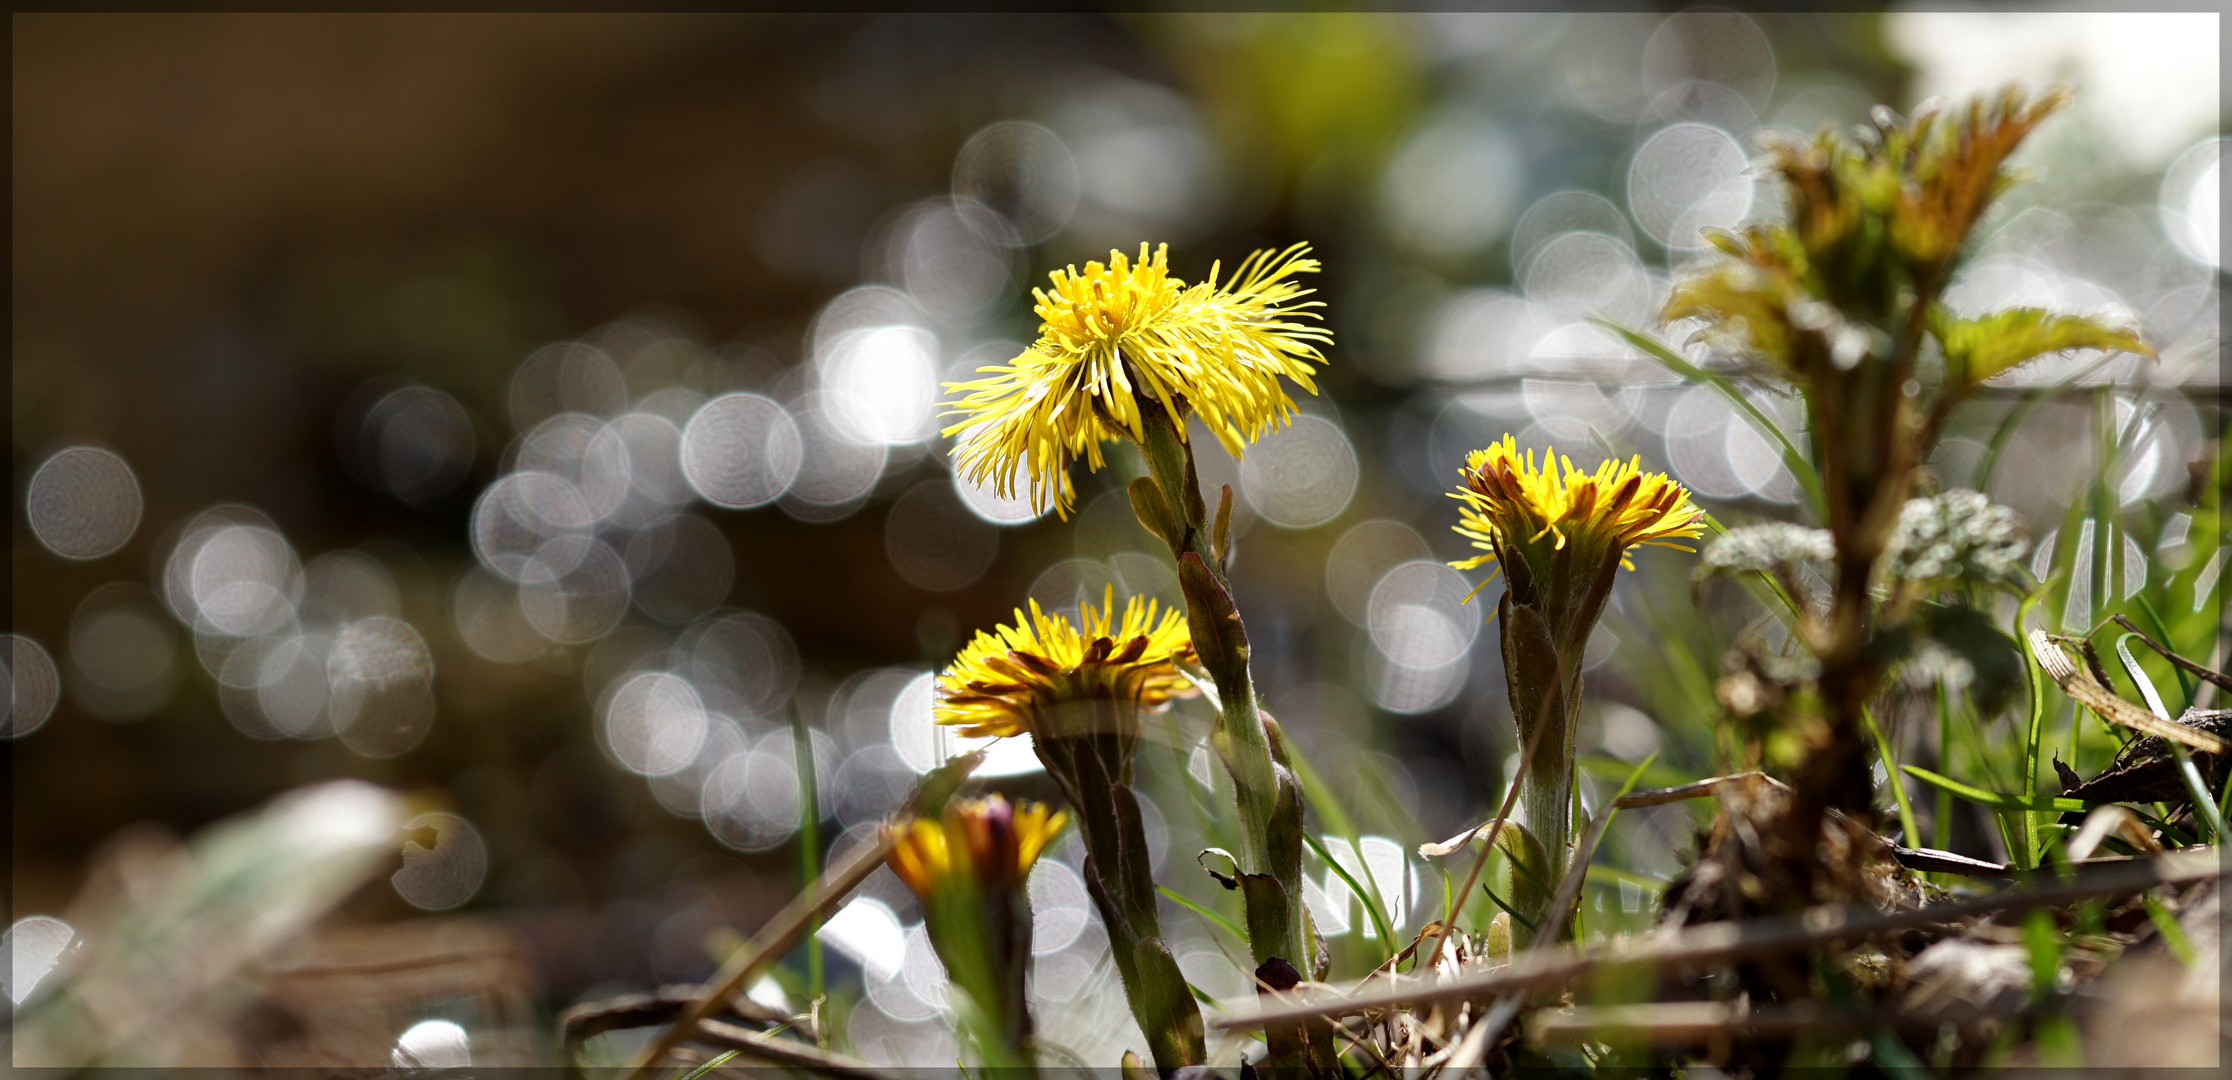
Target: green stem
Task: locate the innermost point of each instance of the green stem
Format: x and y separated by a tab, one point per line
1239	736
809	844
1545	701
1941	822
2033	732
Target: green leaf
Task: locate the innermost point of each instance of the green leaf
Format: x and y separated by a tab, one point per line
1153	511
1993	799
1991	654
1977	349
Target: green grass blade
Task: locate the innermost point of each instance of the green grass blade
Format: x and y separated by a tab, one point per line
1321	798
1602	874
2166	925
1219	921
1522	920
2033	730
2202	803
809	845
2140	679
2009	424
1795	461
710	1065
2161	632
1941	820
1994	799
1369	897
1907	827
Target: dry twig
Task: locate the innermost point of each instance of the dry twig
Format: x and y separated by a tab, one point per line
1721	942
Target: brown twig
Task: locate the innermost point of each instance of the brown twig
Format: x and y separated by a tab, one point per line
1720	942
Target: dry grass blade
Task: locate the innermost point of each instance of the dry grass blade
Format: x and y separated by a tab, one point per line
1569	890
1471	1052
583	1022
2087	688
1495	828
1931	860
2104	820
775	1050
790	924
1698	790
1715	943
1692	1023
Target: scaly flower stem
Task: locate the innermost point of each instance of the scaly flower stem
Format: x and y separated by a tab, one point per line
1270	846
1095	771
1545	687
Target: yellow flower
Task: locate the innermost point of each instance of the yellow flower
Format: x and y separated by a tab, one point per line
985	843
1511	506
1015	679
1111	333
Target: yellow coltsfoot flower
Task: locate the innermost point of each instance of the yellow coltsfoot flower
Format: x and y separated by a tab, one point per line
1079	691
1561	536
982	843
969	866
1118	339
1512	508
1046	677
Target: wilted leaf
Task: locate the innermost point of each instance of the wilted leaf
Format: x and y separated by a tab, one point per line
1959	164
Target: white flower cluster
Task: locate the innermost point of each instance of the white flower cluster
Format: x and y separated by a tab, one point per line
1778	545
1958	534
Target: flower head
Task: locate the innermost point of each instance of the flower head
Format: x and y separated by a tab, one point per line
1016	679
1511	506
1953	536
983	843
1111	334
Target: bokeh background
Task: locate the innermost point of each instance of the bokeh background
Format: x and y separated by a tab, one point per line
538	416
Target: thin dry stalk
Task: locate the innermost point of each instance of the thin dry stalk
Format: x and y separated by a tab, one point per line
1722	942
790	925
1661	796
1472	878
1669	1024
774	1050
